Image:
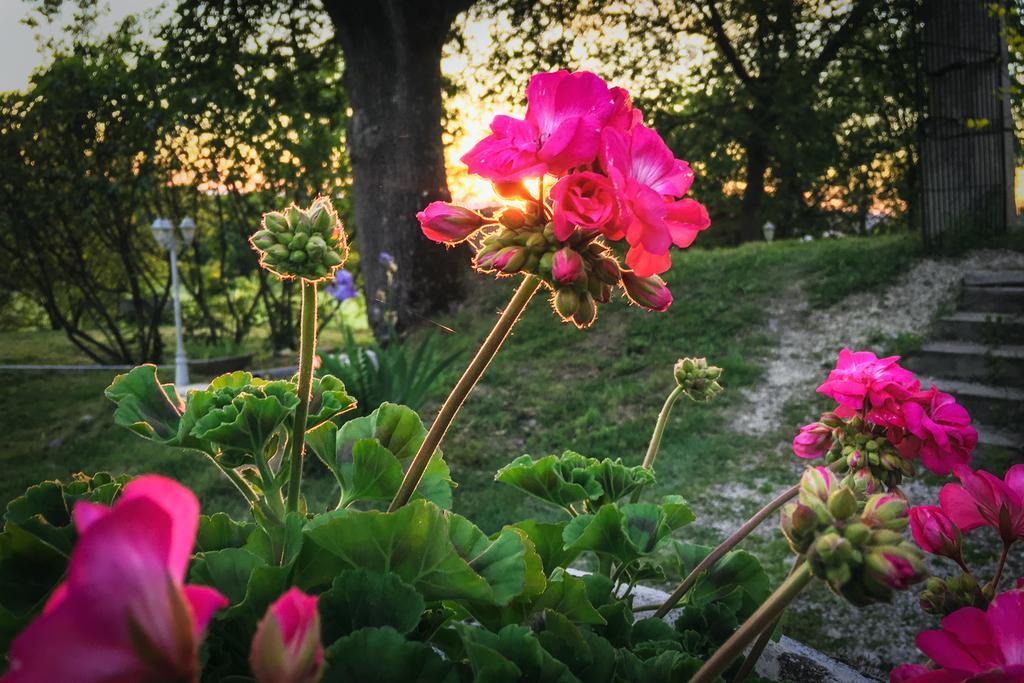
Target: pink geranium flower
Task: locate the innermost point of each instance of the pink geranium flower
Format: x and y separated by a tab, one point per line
123	613
564	116
287	647
935	532
813	441
973	645
982	499
861	380
647	179
940	429
585	200
449	223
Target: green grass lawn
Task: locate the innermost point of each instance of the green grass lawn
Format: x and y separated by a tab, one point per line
552	388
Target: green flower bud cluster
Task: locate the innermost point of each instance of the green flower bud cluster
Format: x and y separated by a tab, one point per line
869	459
857	549
581	273
308	244
698	379
942	597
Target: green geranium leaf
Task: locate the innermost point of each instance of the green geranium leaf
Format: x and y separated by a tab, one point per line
567	595
278	544
327	399
547	541
413	543
369	475
677	512
146	407
227	570
383	655
625	532
501	561
373	475
590	657
558	480
667	667
511	654
37	539
360	598
617	480
737	578
397	428
240	412
219	531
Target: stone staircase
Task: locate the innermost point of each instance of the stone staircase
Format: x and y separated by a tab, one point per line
977	354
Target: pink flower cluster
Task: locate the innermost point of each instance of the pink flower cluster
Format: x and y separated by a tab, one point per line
973	645
927	423
123	613
615	175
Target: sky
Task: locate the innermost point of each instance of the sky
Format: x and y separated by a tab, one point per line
18	46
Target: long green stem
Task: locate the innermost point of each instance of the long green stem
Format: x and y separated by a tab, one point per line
236	479
724	547
659	432
307	347
469	378
762	640
765	615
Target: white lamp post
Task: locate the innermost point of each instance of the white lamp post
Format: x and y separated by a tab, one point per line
769	231
163	231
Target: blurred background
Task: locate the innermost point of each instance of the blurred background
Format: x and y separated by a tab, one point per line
859	160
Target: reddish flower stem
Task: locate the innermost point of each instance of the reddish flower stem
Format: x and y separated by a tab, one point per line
457	397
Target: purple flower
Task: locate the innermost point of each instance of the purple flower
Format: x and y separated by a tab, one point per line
343	287
386	259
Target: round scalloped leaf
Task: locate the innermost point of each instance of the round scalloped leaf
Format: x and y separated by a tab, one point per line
383	655
360	598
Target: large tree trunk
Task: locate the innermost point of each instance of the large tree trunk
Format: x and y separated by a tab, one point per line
753	195
392	52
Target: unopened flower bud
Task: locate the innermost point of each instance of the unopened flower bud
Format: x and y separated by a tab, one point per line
512	190
308	244
817	484
287	647
512	218
586	312
862	482
857	534
449	223
897	567
566	302
697	378
607	269
813	441
935	533
566	266
798	523
842	503
885	511
649	292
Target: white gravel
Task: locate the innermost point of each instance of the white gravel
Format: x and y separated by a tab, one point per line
811	339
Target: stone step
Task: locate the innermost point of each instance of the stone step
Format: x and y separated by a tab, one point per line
1000	438
984	328
1001	365
996	299
995	278
988	404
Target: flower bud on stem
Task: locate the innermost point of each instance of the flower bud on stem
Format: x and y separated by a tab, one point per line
731	542
469	378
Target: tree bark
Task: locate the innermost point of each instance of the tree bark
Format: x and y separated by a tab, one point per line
753	194
392	52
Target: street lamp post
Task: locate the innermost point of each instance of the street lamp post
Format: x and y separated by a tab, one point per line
163	231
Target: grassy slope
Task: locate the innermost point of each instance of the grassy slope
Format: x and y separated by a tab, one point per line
552	388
